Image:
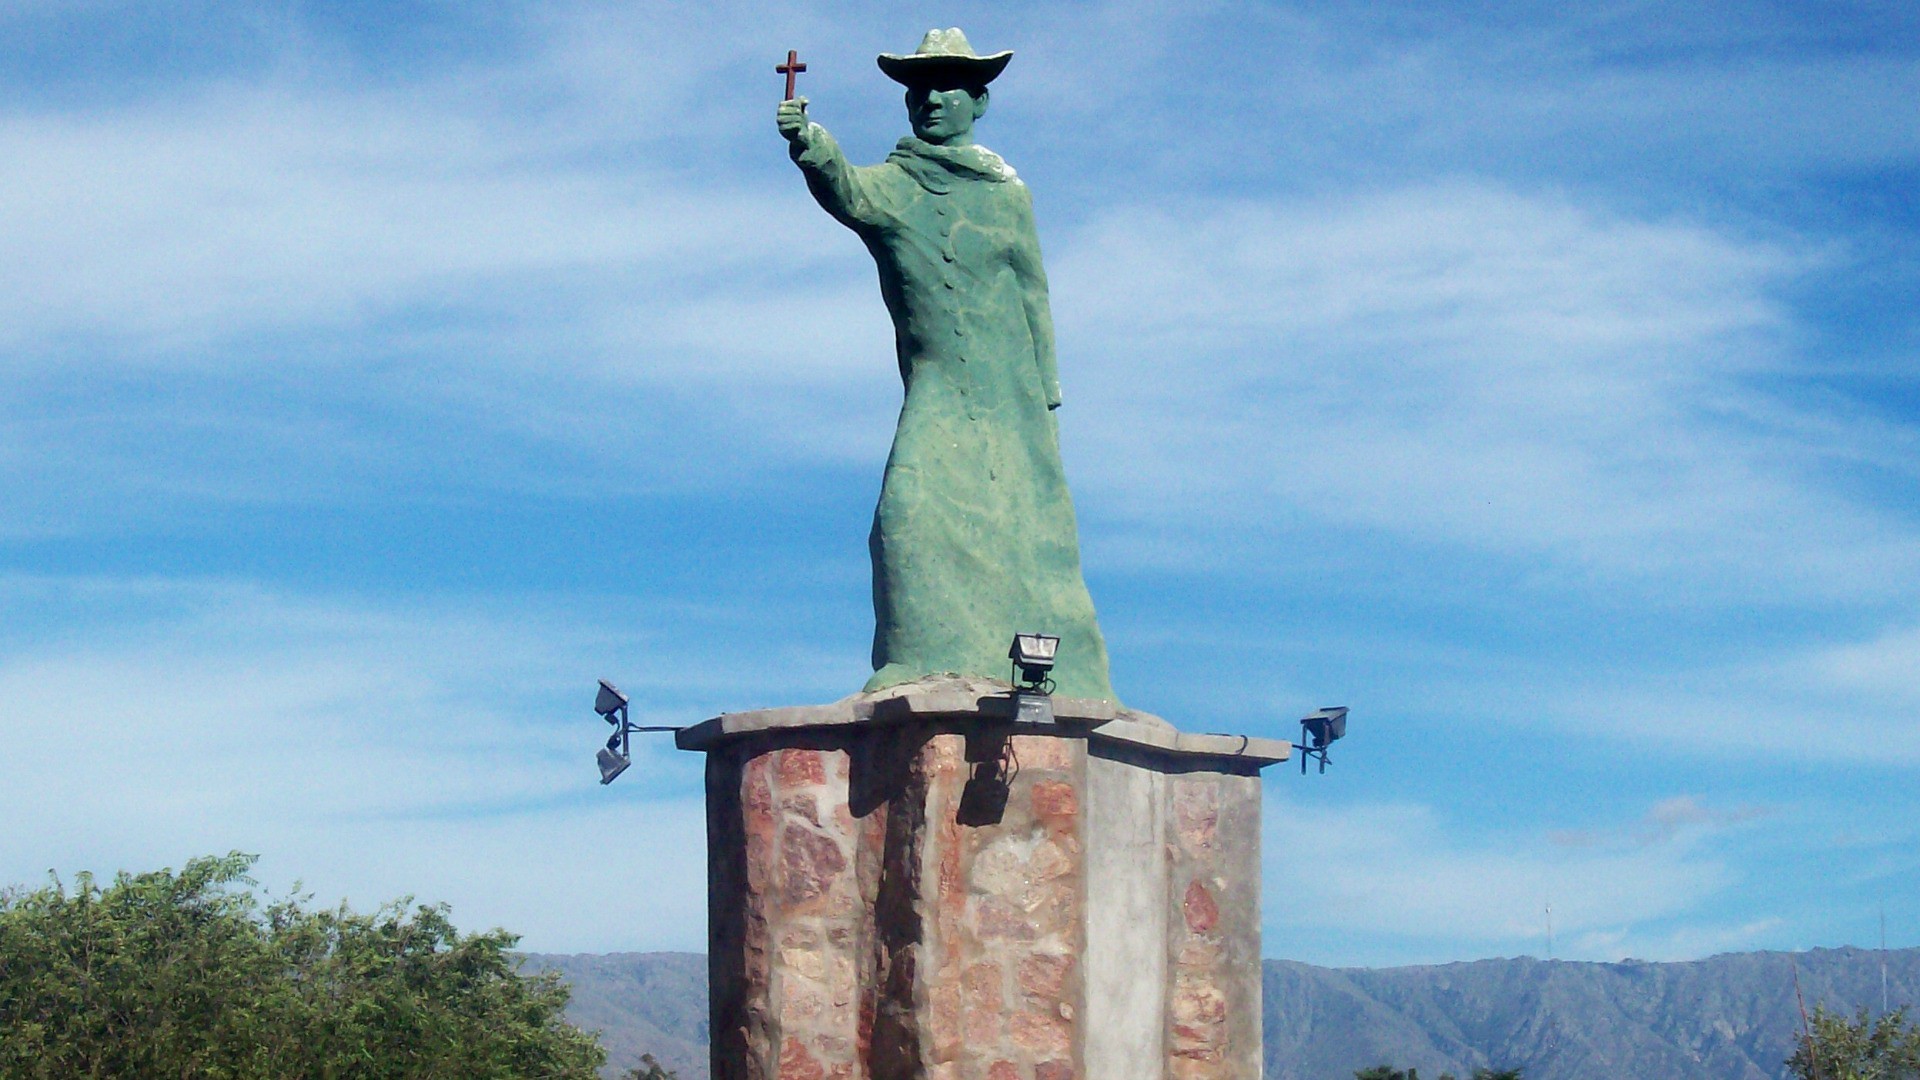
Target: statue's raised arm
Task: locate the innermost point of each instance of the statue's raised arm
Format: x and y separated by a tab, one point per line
974	538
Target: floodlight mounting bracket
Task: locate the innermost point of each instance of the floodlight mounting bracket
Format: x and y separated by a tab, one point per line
1307	751
620	743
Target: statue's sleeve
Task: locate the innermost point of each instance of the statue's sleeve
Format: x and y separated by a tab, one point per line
1033	297
839	187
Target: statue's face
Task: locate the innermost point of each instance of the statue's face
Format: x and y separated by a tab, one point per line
944	116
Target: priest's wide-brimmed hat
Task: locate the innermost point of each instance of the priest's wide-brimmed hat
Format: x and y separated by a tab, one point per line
944	56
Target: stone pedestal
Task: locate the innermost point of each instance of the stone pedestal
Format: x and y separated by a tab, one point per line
925	882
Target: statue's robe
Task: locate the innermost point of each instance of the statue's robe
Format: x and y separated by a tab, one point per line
974	538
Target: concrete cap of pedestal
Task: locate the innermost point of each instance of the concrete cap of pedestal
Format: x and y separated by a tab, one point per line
966	700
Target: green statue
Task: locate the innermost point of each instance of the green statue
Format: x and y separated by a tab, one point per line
974	538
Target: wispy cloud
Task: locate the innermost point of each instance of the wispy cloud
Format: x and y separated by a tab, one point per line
369	752
1684	943
1399	870
1472	366
1827	702
1664	823
168	229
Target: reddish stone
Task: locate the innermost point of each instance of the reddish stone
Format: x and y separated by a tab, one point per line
982	984
945	1006
1000	919
756	784
756	811
949	753
1052	859
1042	1032
1195	1004
1055	910
800	999
1203	913
1043	752
805	807
1044	976
1202	954
802	768
1003	1070
811	863
1196	814
759	861
982	1025
797	1064
953	884
1053	1070
1055	799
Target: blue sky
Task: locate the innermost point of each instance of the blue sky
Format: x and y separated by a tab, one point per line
1539	380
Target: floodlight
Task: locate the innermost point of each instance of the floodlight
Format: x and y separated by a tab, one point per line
1325	726
612	765
611	704
1033	656
609	701
1319	730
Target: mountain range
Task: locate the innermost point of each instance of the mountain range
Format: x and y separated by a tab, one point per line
1729	1017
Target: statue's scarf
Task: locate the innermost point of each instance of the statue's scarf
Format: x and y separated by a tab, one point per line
937	167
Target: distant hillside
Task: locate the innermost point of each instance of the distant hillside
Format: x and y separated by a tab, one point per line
641	1003
1729	1017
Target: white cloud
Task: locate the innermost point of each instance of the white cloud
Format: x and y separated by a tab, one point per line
1467	365
1814	701
1885	667
370	753
1399	871
1334	91
173	228
1666	821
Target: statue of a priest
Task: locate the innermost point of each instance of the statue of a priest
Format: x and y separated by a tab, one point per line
974	538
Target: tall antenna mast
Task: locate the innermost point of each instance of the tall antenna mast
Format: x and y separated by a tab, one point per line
1550	937
1883	958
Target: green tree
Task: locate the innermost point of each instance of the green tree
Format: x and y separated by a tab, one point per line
189	975
1863	1048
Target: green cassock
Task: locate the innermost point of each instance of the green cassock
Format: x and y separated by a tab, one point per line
974	538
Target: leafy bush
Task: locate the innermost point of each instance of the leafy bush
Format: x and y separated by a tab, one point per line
1864	1048
188	975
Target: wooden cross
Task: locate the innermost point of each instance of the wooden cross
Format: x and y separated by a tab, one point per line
792	67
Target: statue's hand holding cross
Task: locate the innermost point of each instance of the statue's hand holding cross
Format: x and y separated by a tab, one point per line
793	111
